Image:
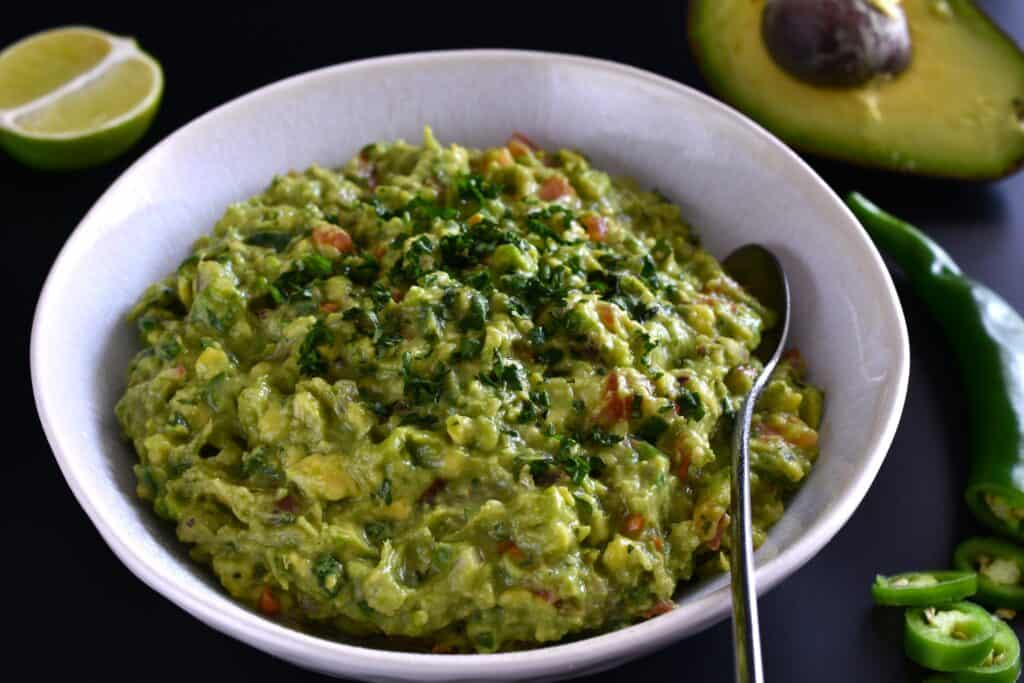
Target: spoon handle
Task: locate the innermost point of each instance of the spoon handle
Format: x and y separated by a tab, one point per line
759	272
746	633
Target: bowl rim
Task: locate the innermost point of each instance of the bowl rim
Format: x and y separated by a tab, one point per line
338	657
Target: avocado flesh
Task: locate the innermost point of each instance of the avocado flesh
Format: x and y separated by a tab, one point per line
956	110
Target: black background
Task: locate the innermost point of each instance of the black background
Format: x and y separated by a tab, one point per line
74	611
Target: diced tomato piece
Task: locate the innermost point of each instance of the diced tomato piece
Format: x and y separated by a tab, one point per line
445	649
523	140
268	603
520	145
499	157
334	236
616	406
554	187
632	525
659	545
545	595
805	439
795	359
716	542
511	549
597	227
517	148
684	467
607	315
329	307
659	608
474	219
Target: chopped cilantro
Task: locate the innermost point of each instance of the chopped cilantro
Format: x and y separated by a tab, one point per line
689	405
649	272
546	286
541	228
366	322
481	281
294	284
536	406
384	493
168	350
575	463
270	239
410	267
637	409
662	249
652	428
508	375
646	343
311	362
380	295
468	247
469	349
602	438
329	573
476	316
420	389
378	530
473	186
262	466
420	420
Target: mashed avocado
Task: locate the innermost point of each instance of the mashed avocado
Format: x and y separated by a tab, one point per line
469	400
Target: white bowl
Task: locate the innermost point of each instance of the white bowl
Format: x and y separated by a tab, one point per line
735	182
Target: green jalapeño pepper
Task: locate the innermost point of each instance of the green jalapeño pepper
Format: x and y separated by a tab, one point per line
1000	567
921	589
987	337
949	637
1002	665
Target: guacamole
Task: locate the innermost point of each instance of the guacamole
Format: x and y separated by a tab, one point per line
466	400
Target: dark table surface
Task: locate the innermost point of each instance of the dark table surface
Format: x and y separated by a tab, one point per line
76	611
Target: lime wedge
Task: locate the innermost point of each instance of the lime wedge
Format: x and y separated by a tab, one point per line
75	96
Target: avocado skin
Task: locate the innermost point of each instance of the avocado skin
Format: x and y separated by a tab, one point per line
847	150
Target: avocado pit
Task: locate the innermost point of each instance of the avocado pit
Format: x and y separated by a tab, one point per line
837	43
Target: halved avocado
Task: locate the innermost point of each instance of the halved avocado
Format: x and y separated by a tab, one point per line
957	110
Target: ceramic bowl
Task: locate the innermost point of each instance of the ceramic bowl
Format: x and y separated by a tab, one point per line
735	183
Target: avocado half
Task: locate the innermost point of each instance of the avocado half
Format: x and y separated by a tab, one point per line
956	111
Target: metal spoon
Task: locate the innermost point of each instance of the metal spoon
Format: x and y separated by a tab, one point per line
759	272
